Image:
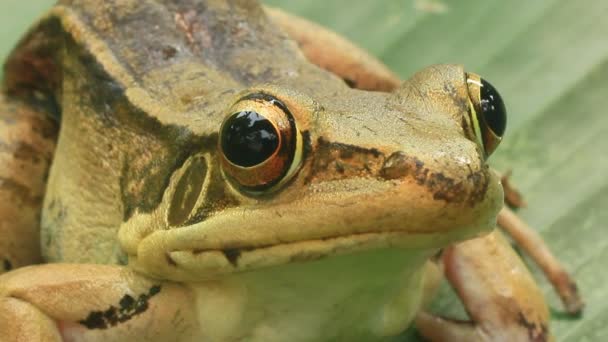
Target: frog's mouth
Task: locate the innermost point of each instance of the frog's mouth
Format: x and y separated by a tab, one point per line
200	264
242	239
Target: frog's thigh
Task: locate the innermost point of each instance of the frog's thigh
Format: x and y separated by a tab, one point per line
79	302
499	293
336	54
27	142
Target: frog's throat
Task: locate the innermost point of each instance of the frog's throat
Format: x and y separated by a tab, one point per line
381	290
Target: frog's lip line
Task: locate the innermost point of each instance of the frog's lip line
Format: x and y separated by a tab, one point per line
246	258
327	239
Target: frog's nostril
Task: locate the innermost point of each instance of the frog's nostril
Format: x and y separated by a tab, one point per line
398	165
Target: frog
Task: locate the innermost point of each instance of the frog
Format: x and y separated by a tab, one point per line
206	170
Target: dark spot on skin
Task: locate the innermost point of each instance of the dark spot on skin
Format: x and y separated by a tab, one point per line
436	258
346	154
154	290
445	188
480	183
170	260
26	151
187	191
537	332
398	166
169	52
339	167
128	307
127	301
217	197
449	89
52	223
395	167
350	83
371	130
334	161
307	146
22	192
122	258
233	255
95	320
22	151
459	101
464	123
350	150
7	265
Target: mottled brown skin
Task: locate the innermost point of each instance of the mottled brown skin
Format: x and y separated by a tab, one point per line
27	141
138	90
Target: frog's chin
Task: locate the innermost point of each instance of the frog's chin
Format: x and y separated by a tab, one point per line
202	264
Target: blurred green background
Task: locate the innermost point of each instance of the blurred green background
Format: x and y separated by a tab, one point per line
549	59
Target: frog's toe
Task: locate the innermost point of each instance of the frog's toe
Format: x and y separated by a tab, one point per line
436	328
513	198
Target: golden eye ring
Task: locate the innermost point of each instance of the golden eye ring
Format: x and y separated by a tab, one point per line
259	143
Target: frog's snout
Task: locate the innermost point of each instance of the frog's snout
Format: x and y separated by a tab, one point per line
469	190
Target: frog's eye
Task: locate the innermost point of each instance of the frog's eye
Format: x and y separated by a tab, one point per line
260	146
488	113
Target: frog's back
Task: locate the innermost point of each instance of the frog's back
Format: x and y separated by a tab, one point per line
171	51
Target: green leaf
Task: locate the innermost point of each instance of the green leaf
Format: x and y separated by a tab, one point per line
549	61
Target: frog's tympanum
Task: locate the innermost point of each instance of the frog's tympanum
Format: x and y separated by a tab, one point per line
206	170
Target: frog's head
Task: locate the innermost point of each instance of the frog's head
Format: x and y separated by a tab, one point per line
300	173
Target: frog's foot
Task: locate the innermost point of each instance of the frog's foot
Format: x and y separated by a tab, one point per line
533	244
498	292
67	302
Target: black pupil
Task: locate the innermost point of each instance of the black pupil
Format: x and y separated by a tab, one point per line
248	139
493	108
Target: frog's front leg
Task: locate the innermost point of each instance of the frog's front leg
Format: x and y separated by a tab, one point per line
80	302
498	292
